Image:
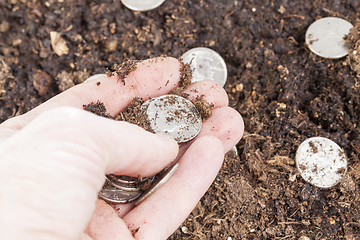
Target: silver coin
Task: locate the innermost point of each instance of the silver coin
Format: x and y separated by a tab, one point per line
126	188
174	116
321	162
142	5
94	77
160	180
206	64
113	195
126	179
136	184
325	37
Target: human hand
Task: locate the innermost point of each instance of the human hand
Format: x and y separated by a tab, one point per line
54	158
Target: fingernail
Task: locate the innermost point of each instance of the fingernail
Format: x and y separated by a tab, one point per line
94	77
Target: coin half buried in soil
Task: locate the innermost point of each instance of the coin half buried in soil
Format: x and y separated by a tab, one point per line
142	5
325	37
206	65
321	162
174	116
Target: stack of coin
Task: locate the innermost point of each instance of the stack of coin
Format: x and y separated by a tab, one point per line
123	189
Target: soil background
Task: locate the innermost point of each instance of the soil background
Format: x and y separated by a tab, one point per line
284	92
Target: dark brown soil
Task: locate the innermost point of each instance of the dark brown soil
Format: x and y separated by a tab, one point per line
284	92
353	40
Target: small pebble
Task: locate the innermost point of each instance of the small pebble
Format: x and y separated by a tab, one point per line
65	80
41	82
185	230
58	44
4	26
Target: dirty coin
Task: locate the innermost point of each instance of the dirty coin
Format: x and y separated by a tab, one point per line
321	162
325	37
206	64
174	116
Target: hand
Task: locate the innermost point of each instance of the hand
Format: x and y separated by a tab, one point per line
54	158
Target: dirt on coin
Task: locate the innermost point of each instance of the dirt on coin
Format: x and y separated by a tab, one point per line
284	92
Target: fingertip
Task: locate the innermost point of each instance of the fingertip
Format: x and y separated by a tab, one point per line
142	154
105	224
226	124
208	91
169	144
207	153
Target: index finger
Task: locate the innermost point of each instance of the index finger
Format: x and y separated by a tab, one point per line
147	79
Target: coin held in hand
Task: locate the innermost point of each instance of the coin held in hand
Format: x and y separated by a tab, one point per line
174	116
170	115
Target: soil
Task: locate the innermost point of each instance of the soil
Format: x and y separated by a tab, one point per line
353	40
284	92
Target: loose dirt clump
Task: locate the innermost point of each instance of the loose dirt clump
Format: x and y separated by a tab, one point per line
125	69
97	108
185	79
135	115
132	113
204	107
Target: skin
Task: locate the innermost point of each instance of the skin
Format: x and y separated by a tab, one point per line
54	158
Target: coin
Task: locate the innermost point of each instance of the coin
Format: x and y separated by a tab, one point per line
132	184
135	186
206	65
111	194
160	180
234	149
321	162
94	77
142	5
125	179
325	37
174	116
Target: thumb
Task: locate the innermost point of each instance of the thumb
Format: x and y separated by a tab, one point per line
115	146
61	157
